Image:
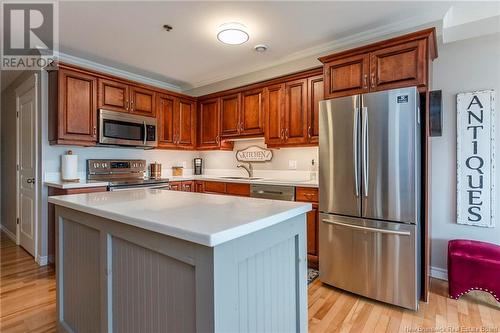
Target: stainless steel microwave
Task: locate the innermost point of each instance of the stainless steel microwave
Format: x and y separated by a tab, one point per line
124	129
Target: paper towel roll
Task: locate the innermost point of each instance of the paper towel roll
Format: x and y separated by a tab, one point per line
69	167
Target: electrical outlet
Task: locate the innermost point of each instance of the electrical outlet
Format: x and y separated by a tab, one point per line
292	164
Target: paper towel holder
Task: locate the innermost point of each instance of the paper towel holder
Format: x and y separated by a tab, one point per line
63	176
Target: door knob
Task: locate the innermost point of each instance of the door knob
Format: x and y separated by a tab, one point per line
30	180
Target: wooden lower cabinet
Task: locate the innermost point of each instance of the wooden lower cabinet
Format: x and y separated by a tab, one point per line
51	215
214	187
198	186
185	186
238	189
310	194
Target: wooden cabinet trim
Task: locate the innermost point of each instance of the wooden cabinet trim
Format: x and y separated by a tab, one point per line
428	34
97	74
266	83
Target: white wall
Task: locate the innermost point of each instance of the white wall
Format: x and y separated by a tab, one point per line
462	66
281	157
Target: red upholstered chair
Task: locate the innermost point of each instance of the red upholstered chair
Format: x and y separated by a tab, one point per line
473	265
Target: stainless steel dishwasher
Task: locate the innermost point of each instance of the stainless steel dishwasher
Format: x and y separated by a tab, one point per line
275	192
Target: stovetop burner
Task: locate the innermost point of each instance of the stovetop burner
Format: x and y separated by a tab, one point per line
122	173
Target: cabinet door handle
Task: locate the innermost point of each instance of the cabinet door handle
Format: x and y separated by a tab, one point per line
309	134
286	134
217	139
131	105
282	135
94	131
126	105
373	80
365	81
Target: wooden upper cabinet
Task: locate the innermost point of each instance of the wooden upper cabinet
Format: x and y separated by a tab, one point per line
186	123
296	112
176	121
165	120
398	62
315	91
252	112
347	76
230	115
398	66
72	108
142	101
275	114
208	124
113	95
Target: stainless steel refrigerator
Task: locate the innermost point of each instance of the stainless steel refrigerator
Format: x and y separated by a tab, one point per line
369	179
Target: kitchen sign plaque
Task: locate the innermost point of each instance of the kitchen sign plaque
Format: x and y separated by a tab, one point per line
476	158
254	154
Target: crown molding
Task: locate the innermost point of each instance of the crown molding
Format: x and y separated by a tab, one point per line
368	36
70	59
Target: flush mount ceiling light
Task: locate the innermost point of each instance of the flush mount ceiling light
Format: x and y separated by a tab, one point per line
260	48
232	33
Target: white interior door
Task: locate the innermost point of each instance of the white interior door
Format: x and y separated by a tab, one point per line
27	162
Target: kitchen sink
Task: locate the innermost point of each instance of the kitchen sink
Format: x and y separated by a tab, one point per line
243	178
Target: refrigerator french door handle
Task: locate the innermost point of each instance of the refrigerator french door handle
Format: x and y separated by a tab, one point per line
365	148
355	149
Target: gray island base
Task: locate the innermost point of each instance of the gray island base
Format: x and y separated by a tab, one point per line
117	277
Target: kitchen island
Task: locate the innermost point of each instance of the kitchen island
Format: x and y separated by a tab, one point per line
162	261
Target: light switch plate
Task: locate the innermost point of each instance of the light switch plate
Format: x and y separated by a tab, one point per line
292	164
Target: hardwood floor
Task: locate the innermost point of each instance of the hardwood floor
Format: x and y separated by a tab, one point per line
27	291
27	304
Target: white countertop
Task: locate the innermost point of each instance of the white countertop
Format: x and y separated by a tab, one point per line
269	181
263	180
208	220
82	183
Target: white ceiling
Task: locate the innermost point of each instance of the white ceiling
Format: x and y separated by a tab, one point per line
129	35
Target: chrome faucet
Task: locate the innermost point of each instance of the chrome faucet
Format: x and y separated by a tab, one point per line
248	169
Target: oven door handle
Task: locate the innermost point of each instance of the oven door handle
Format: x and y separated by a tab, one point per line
132	187
145	132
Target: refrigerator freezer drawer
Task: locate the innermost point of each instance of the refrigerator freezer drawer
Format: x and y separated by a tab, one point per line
376	259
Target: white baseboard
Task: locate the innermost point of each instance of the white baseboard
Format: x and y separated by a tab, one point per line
8	233
42	261
439	273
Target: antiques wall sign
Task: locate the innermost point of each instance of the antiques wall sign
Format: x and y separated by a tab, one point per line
476	158
254	154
